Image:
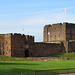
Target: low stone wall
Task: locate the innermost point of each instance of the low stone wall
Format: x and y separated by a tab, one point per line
47	58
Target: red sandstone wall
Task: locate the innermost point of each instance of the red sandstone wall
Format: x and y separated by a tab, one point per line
5	44
57	32
19	46
71	46
19	43
45	49
70	31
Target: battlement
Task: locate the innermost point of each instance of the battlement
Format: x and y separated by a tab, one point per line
28	39
57	24
18	34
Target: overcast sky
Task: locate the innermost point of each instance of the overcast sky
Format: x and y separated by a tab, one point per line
30	16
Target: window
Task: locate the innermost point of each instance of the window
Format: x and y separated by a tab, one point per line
3	44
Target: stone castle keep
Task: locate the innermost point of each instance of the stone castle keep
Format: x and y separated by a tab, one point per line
60	32
20	45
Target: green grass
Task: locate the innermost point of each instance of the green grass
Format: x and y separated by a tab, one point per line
21	66
7	58
70	56
10	64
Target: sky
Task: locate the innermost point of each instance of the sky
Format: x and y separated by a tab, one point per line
30	16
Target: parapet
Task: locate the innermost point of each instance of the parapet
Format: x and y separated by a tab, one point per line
68	23
57	24
21	35
48	25
28	38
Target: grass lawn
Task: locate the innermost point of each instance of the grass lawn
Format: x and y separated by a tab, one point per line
70	56
10	65
21	66
7	58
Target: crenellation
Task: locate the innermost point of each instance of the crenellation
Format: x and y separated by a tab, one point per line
57	24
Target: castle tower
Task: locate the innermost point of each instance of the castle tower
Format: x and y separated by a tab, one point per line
14	45
59	32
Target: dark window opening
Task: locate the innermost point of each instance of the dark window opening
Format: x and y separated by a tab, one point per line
26	53
3	44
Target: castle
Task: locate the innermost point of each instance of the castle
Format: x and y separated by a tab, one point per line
58	38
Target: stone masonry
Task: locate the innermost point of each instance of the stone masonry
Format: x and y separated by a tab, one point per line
20	45
59	32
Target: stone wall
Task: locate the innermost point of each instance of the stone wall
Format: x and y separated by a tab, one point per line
69	46
5	44
45	49
70	31
19	43
54	32
59	31
47	58
14	45
21	48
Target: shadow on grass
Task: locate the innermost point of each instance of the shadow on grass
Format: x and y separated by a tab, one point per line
5	63
55	71
16	71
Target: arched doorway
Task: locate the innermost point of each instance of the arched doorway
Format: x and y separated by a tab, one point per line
26	53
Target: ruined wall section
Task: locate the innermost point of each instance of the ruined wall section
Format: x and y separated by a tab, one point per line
45	49
54	32
5	44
